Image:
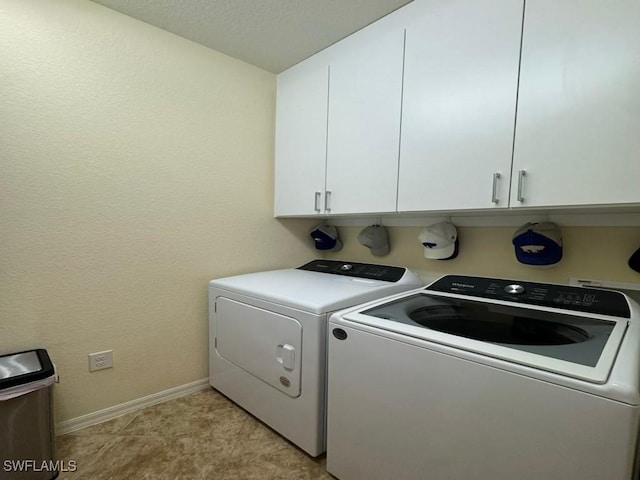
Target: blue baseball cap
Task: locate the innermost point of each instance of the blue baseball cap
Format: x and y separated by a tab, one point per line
538	243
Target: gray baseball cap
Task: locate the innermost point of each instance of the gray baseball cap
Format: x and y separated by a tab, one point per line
375	237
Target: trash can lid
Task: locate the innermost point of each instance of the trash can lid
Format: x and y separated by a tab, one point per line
24	367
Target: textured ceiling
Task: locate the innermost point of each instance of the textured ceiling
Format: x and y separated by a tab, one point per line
272	34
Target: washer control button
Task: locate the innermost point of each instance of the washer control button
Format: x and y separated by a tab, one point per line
514	289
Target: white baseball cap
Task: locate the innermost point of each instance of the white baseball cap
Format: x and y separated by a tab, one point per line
375	237
440	241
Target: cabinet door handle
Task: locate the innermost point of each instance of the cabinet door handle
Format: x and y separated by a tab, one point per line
521	175
327	203
316	204
494	192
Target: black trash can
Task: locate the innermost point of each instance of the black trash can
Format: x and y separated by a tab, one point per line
27	436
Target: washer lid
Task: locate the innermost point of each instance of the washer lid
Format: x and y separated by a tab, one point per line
570	344
567	343
314	291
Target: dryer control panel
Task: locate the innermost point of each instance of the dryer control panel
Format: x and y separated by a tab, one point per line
590	300
360	270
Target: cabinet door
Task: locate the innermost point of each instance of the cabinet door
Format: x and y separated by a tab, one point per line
301	138
364	119
578	125
458	113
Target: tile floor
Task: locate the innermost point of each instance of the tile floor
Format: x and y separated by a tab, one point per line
202	436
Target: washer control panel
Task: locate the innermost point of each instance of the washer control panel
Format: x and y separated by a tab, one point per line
369	271
591	300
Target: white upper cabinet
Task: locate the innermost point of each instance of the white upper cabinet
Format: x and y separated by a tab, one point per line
365	94
458	105
301	138
578	126
458	112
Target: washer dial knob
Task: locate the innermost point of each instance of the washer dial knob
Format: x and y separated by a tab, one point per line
514	289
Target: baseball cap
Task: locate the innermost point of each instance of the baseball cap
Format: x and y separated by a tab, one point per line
326	238
634	261
375	237
538	243
440	241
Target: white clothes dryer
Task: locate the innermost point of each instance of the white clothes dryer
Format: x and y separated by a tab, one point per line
267	334
486	379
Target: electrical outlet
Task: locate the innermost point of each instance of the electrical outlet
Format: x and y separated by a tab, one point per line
100	360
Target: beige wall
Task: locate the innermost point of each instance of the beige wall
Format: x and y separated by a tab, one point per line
589	252
135	166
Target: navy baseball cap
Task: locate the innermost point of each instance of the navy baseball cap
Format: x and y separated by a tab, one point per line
634	261
538	243
326	238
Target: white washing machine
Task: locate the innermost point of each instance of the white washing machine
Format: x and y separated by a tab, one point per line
485	379
267	334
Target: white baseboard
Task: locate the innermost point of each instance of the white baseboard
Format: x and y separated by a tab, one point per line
128	407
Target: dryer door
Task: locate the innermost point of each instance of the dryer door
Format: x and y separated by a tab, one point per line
265	344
